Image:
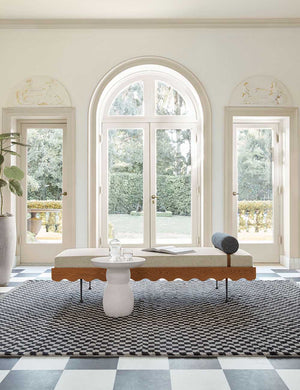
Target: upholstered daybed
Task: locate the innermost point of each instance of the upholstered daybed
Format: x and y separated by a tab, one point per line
203	263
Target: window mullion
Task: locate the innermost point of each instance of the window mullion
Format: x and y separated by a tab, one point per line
148	96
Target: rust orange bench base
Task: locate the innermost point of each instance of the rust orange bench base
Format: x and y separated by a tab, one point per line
151	273
169	273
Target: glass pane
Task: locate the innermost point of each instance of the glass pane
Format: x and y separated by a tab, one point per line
130	101
125	180
255	184
169	101
44	185
173	186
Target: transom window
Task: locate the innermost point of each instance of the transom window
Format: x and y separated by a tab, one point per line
150	153
130	101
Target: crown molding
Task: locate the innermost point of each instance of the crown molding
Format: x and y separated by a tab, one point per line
147	23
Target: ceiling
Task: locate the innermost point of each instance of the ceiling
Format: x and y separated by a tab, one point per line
148	9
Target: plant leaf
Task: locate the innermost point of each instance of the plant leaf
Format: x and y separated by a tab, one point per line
1	159
11	152
9	135
3	183
19	143
13	172
15	187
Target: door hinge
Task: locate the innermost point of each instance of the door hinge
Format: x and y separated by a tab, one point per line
99	241
100	138
280	240
19	240
272	151
277	137
198	190
280	190
198	240
196	138
99	190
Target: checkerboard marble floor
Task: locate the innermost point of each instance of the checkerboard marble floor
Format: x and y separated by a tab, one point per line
148	373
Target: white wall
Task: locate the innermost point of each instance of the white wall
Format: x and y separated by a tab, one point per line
220	58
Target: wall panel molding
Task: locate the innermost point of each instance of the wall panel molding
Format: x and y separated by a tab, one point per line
148	23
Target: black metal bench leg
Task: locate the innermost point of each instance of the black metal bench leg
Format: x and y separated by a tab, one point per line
90	285
226	284
217	284
81	300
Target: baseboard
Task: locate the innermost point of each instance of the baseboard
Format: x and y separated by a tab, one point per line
290	262
295	263
284	260
36	264
17	261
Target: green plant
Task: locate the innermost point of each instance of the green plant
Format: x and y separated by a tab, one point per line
44	164
10	176
126	193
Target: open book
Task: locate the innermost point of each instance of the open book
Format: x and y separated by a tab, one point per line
171	250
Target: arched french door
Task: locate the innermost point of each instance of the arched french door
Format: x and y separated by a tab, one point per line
150	159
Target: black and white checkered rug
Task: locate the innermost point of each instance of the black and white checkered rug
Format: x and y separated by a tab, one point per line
170	318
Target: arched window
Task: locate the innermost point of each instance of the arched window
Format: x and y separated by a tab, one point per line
150	126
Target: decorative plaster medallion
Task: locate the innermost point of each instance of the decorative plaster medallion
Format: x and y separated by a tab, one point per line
261	91
39	91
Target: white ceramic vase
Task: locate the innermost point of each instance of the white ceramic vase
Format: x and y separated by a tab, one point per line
7	247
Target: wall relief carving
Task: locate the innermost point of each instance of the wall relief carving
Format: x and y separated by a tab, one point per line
261	91
39	91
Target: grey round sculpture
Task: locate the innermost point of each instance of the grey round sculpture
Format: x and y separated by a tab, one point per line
7	247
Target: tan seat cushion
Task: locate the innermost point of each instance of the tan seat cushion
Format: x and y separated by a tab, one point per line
202	257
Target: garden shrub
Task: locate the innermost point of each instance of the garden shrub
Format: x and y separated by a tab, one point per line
126	194
44	204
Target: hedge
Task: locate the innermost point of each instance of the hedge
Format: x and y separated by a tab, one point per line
174	194
44	204
126	193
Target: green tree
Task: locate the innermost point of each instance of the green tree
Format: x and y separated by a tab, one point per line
44	161
125	150
255	164
169	101
129	101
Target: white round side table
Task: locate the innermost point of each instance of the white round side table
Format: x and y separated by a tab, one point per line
118	298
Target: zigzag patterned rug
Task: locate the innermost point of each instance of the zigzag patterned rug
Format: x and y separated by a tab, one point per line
175	318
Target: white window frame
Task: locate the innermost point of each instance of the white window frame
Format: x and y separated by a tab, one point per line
150	119
12	116
290	225
203	122
265	250
147	78
195	174
103	180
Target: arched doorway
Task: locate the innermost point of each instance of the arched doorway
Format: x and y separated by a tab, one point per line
149	157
